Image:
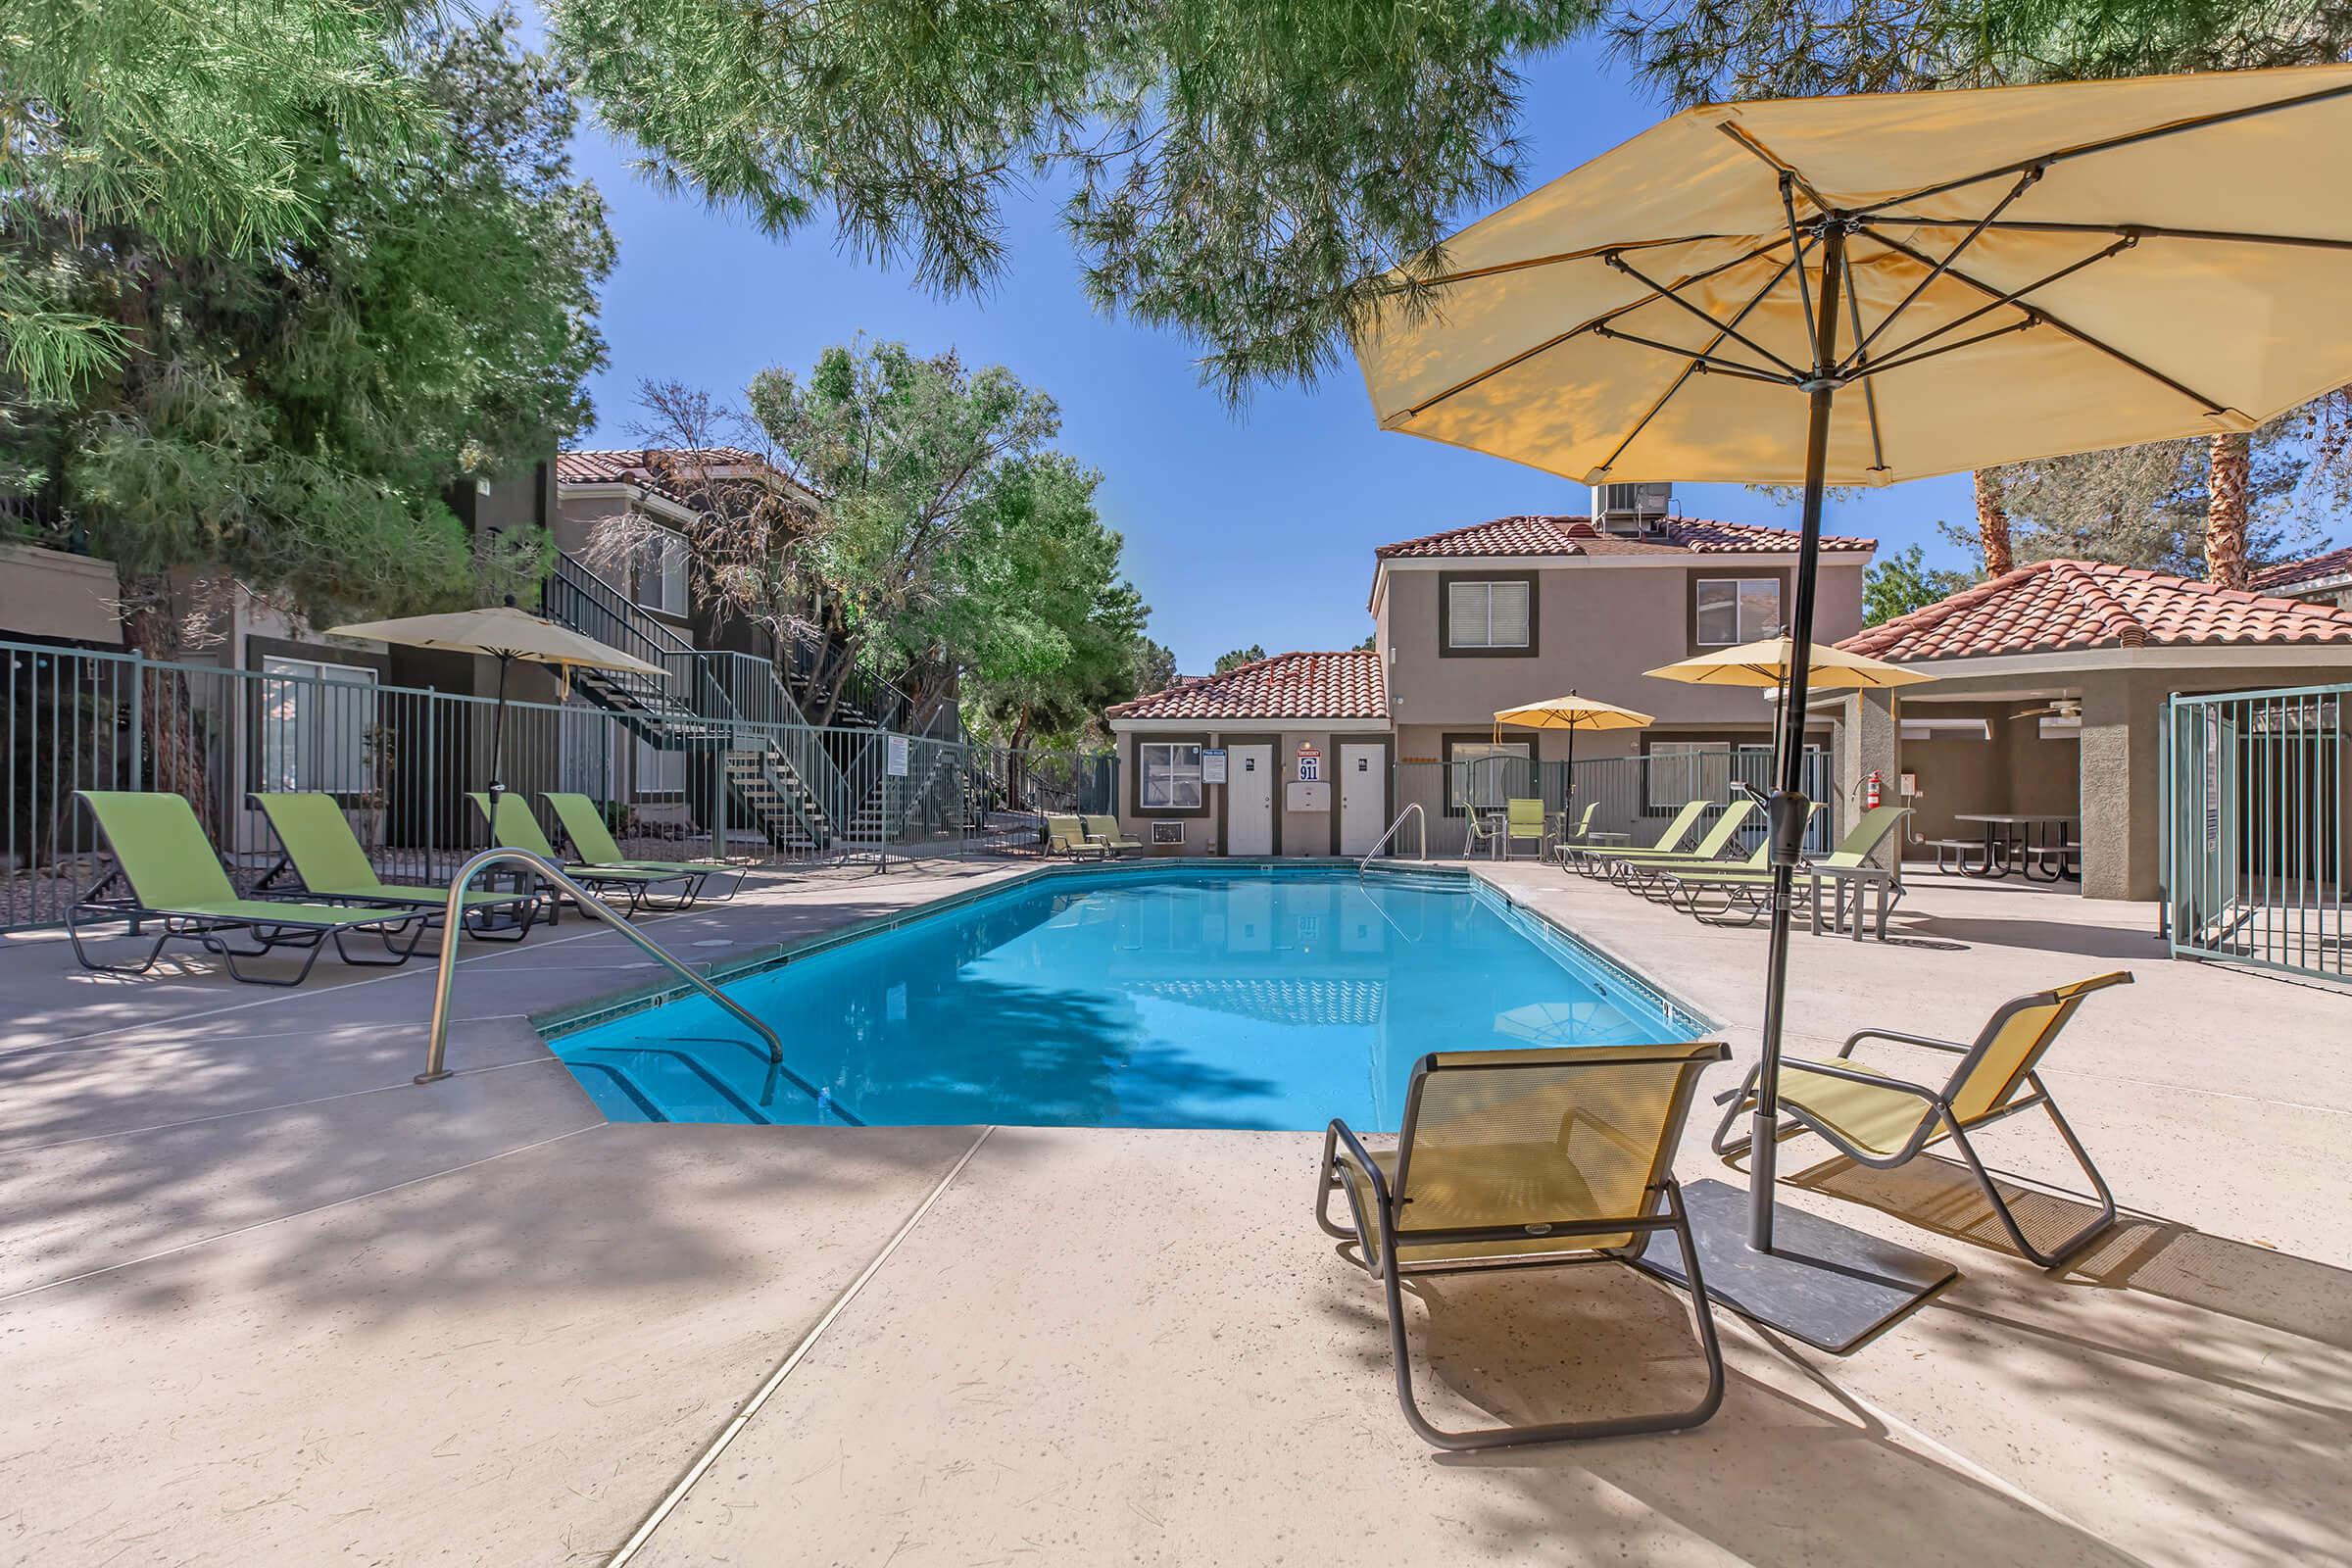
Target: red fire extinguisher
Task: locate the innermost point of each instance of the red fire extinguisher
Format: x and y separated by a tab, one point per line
1870	792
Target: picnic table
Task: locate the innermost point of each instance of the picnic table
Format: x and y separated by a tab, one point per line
2021	840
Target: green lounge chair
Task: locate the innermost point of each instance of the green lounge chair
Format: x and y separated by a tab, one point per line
1520	1158
1710	847
1523	823
1068	836
1746	889
1593	861
1657	879
1105	830
584	825
1573	837
518	829
325	853
1882	1121
175	879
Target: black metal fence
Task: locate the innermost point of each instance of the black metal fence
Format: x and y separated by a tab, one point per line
401	762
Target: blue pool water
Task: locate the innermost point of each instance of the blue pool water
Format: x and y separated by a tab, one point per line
1273	997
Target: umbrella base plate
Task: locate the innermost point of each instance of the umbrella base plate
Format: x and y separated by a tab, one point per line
1824	1283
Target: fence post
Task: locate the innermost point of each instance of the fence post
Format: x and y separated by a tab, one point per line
138	718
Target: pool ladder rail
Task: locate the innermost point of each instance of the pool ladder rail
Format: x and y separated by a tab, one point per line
437	1045
1420	820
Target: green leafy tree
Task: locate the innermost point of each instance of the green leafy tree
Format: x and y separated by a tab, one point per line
1155	665
1246	171
946	543
1239	656
275	293
1902	583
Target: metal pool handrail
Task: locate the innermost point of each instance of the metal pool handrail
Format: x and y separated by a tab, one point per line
436	1048
1421	818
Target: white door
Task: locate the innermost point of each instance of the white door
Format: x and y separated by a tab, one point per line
1249	800
1364	797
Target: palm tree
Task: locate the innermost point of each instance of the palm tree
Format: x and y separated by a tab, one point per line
2230	460
1993	526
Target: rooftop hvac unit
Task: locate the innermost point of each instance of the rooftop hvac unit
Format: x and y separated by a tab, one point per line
1639	508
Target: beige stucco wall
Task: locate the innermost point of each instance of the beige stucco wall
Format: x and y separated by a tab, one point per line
1598	629
47	593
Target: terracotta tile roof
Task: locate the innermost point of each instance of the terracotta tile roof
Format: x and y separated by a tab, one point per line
1576	536
2288	574
1304	686
639	468
2059	605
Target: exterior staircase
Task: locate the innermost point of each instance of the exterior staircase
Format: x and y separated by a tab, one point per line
897	801
715	705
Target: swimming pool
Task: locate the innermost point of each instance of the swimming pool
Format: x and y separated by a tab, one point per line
1268	997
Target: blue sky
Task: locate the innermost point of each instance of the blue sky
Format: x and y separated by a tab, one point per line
1255	528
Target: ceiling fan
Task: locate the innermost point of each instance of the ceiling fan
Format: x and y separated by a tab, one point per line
2067	707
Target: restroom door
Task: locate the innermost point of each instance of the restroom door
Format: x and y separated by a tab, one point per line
1363	796
1249	800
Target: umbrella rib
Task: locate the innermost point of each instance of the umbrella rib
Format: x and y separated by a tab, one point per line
1698	356
2209	405
1870	391
1690	370
2111	143
1773	162
1415	410
2025	182
2032	320
1618	262
2010	298
2037	225
1497	268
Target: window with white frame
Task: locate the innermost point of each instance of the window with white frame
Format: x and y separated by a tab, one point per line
1168	775
662	574
1486	615
319	725
1735	609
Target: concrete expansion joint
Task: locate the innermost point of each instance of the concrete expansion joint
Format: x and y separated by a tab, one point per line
785	1368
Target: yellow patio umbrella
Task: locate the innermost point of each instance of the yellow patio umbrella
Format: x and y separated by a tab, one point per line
1572	714
1991	276
1768	664
507	634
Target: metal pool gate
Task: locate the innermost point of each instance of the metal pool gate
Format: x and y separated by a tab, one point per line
2256	794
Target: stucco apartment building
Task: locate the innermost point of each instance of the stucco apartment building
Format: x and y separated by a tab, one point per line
1465	622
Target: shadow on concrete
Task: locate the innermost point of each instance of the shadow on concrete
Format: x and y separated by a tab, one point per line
1812	1467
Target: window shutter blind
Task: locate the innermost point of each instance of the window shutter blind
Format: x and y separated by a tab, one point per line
1466	617
1507	615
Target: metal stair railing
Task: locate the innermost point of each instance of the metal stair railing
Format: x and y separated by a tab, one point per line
445	978
1420	818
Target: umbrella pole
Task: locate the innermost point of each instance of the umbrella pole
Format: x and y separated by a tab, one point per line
498	736
1788	815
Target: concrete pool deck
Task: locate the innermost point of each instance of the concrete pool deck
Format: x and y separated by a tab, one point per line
261	1300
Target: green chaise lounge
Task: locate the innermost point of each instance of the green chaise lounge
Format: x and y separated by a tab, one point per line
175	879
1881	1121
1526	1158
1105	830
583	825
1657	879
324	853
1066	836
1620	864
1591	860
1574	837
516	828
1746	889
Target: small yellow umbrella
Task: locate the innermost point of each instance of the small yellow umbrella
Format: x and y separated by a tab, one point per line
1572	714
506	634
